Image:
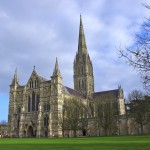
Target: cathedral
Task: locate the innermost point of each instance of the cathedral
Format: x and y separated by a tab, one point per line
35	108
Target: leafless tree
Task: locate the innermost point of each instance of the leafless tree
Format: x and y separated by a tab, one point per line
138	56
106	113
139	108
75	115
3	122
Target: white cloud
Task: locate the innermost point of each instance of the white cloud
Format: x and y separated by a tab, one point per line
35	32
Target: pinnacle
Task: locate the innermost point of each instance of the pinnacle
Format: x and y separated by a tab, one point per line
81	42
15	79
56	71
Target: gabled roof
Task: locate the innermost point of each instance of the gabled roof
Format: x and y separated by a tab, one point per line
42	79
73	92
114	93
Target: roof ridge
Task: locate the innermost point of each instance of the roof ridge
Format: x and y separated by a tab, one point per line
106	91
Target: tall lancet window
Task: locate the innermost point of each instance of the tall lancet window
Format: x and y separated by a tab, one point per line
33	101
37	102
46	121
29	104
83	84
79	85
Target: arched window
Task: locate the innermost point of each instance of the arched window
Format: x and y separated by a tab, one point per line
33	101
48	107
35	83
79	84
29	104
37	102
46	121
18	121
82	84
18	110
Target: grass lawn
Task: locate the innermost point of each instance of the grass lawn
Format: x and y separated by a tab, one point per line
89	143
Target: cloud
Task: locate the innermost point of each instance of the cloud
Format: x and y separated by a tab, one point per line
35	32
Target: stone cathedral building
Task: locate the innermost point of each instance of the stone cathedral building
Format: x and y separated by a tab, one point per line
34	108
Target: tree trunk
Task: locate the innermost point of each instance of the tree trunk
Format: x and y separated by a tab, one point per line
74	133
99	132
63	133
107	132
141	126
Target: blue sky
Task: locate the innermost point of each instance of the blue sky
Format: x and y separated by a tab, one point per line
35	32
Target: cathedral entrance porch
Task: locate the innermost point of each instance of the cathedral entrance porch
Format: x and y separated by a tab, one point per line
30	132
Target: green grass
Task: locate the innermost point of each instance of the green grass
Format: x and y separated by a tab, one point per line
89	143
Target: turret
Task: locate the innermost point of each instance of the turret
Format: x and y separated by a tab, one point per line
12	103
56	102
15	81
121	101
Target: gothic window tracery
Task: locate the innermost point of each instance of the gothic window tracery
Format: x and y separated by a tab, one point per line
33	102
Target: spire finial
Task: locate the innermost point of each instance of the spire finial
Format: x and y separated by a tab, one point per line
81	43
34	67
16	74
56	71
15	79
16	71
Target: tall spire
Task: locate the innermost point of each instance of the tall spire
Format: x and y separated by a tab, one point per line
15	79
56	71
81	41
83	69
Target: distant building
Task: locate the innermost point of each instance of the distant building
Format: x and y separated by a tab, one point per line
34	108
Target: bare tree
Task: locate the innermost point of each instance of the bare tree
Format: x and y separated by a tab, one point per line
138	55
74	115
3	122
105	113
84	117
139	108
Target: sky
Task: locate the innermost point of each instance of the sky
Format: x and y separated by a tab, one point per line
35	32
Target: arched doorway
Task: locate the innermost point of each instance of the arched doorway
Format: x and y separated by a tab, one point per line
24	133
46	133
30	132
84	132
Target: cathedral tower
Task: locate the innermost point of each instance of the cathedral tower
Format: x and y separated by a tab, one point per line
56	102
12	121
83	69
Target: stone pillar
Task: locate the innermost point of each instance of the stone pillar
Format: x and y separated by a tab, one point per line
39	122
